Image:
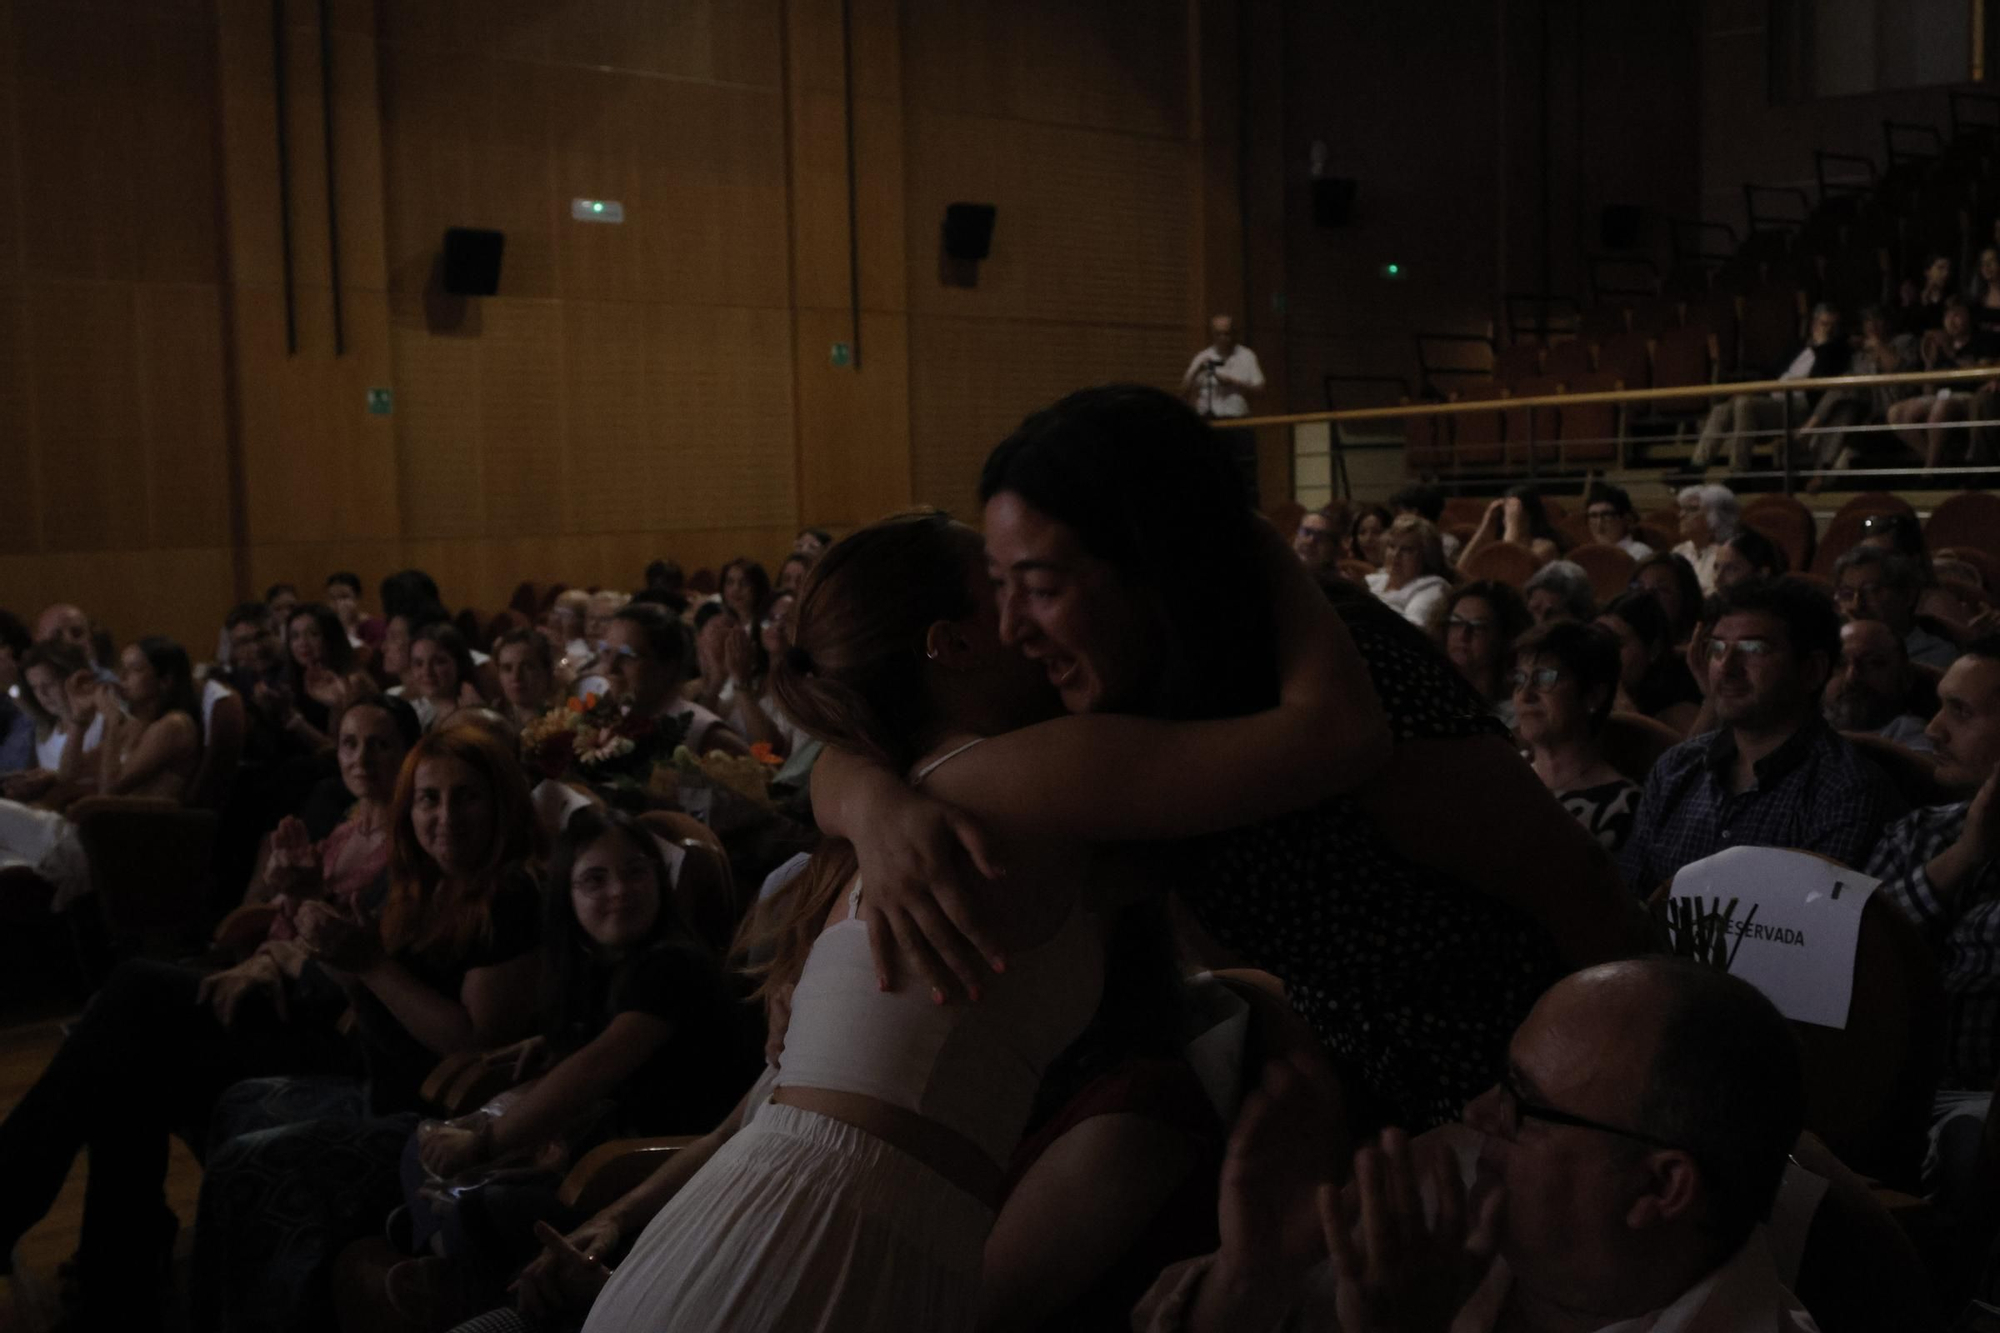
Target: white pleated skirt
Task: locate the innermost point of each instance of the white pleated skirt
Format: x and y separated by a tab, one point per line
803	1224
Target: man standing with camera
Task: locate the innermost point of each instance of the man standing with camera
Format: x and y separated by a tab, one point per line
1222	373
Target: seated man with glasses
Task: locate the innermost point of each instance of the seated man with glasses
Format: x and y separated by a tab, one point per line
1774	774
1317	540
1608	509
1615	1177
1873	584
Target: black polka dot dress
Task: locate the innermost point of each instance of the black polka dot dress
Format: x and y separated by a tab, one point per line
1413	980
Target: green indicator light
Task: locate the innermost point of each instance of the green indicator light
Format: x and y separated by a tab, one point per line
1394	270
599	208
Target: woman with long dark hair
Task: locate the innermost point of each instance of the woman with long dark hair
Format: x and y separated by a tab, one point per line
322	673
861	1194
1126	563
1518	516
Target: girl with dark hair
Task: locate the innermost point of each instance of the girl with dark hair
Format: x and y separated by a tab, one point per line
1365	534
748	702
792	574
745	589
440	679
862	1192
58	690
1565	678
1518	517
151	747
1748	555
637	1015
448	965
525	661
1126	562
1653	677
1675	586
1481	619
323	677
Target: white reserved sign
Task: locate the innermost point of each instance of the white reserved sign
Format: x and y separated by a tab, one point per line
1796	924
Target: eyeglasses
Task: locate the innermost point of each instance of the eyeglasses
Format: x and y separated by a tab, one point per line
1718	649
1514	1108
1849	593
1600	515
1544	678
624	653
1314	534
1466	623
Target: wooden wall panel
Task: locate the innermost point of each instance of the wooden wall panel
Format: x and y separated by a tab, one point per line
524	466
20	511
721	392
1092	227
854	426
83	380
726	41
972	380
184	593
182	406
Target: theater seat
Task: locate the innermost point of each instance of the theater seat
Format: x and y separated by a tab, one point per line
149	867
612	1170
1788	523
1509	563
1913	775
1632	743
1970	518
705	890
1610	568
1860	1271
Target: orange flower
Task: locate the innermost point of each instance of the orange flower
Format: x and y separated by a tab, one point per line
576	705
764	754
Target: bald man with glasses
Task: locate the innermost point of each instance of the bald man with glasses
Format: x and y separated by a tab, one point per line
1774	774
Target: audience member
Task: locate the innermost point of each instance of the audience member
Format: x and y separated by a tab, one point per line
1748	555
1317	540
282	599
1922	303
1223	375
323	676
1481	622
440	679
72	626
59	693
1870	691
792	574
1365	533
666	578
1737	422
1671	580
714	626
1427	503
1613	522
1938	865
342	596
752	709
18	722
745	589
812	542
1921	421
1775	774
297	1168
642	1032
528	686
1708	521
597	620
1881	353
1560	590
409	592
1637	1136
1564	679
1904	534
568	618
647	651
1653	676
151	747
1518	517
1414	577
1873	584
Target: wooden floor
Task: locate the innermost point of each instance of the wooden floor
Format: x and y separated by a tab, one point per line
27	1042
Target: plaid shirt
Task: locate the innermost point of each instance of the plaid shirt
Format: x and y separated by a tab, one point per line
1814	793
1964	933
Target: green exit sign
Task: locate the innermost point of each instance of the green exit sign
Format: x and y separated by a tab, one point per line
841	355
381	402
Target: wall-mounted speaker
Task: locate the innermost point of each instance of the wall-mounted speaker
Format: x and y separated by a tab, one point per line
472	261
1333	200
968	230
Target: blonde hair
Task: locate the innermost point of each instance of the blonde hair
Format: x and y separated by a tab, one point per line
1429	542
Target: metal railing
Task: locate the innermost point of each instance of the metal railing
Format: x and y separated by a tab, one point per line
1787	434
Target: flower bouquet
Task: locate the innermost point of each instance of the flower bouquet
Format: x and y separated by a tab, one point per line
599	741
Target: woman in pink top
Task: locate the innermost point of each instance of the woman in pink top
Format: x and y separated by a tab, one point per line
860	1194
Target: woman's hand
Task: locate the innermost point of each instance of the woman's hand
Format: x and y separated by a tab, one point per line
560	1284
1697	657
81	692
291	847
914	875
738	661
777	1022
327	687
1496	513
1277	1159
447	1151
225	991
337	940
1400	1274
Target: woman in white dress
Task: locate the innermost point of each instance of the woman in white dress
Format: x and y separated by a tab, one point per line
859	1196
1414	578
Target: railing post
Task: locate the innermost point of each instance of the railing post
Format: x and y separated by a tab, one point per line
1785	440
1531	443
